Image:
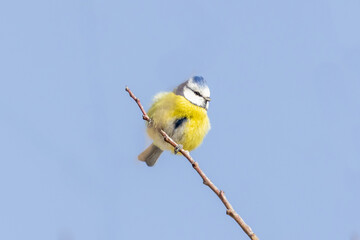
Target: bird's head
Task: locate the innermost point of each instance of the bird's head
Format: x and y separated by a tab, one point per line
196	91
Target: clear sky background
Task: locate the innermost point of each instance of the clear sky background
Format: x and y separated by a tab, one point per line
285	115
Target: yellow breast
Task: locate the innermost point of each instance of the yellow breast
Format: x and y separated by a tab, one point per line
168	107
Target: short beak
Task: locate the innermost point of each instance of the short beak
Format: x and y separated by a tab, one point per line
207	99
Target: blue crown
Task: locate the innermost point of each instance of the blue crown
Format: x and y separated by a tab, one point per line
199	80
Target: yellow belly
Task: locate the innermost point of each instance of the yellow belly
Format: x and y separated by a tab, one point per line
168	107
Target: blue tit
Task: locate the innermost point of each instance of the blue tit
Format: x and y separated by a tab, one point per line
182	114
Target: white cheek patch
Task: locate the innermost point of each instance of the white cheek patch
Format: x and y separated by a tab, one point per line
193	98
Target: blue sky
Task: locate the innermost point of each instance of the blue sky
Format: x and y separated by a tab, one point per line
285	137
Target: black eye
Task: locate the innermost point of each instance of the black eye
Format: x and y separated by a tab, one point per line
197	93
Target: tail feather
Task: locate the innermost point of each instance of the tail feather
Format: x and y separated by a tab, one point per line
150	155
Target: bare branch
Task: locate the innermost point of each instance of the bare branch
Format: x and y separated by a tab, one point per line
229	209
145	116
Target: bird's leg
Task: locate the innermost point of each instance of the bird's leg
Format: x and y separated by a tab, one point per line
178	148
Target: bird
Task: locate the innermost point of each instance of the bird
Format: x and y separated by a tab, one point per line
182	114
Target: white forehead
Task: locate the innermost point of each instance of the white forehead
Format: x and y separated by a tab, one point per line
199	85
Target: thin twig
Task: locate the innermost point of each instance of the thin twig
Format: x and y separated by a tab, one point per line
229	209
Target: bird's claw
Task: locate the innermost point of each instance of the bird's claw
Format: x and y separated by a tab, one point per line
178	148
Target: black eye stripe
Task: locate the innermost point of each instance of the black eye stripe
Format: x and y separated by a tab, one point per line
196	92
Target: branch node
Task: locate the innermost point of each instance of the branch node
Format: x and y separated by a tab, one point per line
230	212
221	194
206	182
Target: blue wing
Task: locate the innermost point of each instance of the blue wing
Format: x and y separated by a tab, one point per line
179	122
